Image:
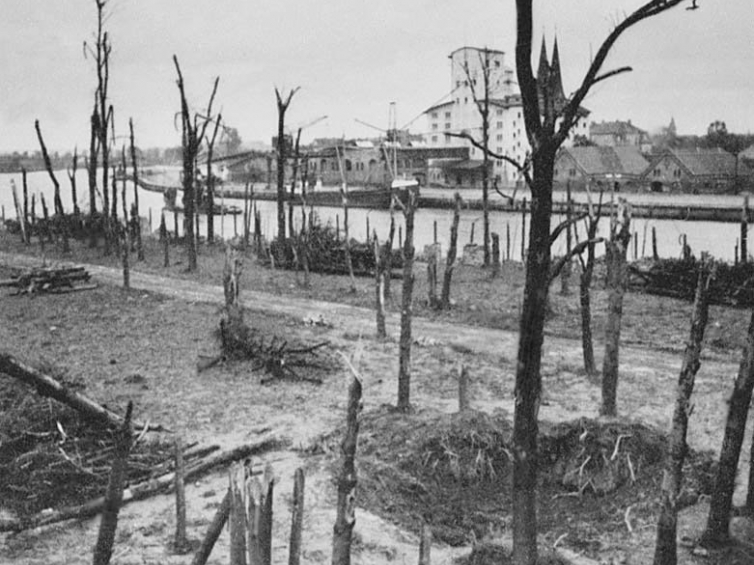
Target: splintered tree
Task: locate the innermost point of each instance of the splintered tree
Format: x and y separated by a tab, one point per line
192	135
547	127
281	150
615	257
101	116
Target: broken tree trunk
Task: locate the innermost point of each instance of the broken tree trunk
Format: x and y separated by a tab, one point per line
721	500
615	251
452	250
48	386
213	532
346	508
665	547
404	345
113	499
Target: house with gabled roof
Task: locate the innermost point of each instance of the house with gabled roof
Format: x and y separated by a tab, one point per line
697	171
619	167
618	133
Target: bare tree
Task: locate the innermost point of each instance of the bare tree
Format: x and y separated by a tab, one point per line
585	284
547	127
135	209
193	134
404	371
283	103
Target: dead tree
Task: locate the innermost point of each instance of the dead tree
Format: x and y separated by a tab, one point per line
721	501
282	150
451	258
404	346
126	234
617	276
347	240
211	182
72	179
547	127
135	218
109	523
585	285
346	505
60	221
91	166
192	136
482	102
665	548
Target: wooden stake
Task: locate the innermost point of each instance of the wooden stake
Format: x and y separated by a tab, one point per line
297	518
181	544
463	389
425	545
655	255
237	514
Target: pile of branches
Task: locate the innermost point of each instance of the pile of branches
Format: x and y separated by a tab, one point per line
52	456
326	252
48	279
733	285
277	357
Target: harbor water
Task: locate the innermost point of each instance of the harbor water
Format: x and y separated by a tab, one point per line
717	238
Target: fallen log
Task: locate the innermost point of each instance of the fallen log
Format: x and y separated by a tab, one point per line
50	387
143	490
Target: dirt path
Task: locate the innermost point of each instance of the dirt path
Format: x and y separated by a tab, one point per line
647	383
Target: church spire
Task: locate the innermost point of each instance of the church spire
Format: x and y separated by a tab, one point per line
556	78
543	71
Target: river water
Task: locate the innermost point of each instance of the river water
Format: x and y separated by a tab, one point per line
718	239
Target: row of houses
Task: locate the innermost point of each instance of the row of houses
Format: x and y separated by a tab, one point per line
627	168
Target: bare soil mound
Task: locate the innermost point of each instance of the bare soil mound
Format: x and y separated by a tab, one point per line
453	473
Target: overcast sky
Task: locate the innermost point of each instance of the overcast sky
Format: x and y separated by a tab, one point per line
351	58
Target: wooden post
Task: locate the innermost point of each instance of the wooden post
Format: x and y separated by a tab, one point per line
368	232
745	230
347	479
379	287
463	389
180	544
19	212
265	520
636	246
655	255
235	225
425	545
165	238
337	228
175	225
237	515
347	240
434	230
123	440
297	518
665	548
523	231
25	217
213	532
495	254
507	241
432	278
471	236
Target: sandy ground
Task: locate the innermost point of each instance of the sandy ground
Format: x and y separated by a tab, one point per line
225	405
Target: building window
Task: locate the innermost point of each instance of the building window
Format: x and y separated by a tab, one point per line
500	137
458	84
466	100
447	125
447	115
500	125
434	114
514	135
499	111
447	138
434	139
499	150
434	127
519	114
571	172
